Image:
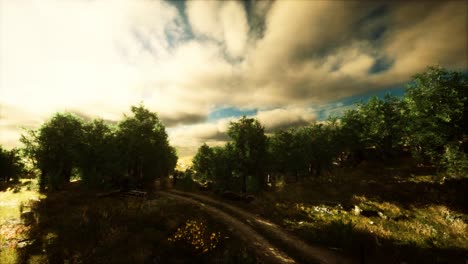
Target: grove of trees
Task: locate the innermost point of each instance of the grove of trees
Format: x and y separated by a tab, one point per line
135	152
430	121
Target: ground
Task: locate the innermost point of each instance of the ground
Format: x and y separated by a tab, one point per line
369	214
74	226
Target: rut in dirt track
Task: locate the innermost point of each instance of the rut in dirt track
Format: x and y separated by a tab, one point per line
262	233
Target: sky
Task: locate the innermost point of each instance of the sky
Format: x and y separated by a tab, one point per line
202	64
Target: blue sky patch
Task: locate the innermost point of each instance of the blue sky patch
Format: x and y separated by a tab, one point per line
337	108
226	112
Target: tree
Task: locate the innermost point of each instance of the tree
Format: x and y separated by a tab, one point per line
98	157
352	123
144	146
203	162
288	152
250	144
437	102
321	145
382	125
224	166
54	148
11	165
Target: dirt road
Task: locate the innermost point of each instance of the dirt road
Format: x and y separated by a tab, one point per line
266	239
267	252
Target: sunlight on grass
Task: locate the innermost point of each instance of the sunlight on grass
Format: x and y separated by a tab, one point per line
11	200
12	203
427	227
8	255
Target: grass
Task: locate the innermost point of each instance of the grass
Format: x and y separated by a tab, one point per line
387	215
13	197
76	227
12	229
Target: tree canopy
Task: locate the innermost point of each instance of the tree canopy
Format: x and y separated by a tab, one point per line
137	149
430	121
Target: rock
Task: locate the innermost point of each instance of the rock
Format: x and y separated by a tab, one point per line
24	243
382	215
356	210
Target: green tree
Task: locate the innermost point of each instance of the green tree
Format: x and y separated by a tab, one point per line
54	148
203	162
437	102
250	146
352	123
382	125
288	152
98	157
144	146
11	164
321	145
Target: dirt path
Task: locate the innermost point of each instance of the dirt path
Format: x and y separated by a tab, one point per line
267	231
267	252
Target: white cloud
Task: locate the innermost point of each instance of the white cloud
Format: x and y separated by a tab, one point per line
235	26
204	18
283	118
225	22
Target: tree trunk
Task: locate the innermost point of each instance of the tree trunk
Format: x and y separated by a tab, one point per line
244	182
42	180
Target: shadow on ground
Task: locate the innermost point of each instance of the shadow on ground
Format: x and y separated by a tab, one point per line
74	226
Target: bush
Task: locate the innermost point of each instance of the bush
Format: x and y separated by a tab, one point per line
455	161
185	180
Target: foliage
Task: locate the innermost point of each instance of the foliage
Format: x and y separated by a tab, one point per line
455	161
98	154
137	150
250	148
11	164
437	101
217	165
203	162
55	148
144	146
196	235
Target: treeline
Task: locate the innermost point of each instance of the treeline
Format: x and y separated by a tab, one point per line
132	153
430	122
11	165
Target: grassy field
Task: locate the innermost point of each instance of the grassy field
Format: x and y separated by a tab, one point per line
74	226
384	215
14	201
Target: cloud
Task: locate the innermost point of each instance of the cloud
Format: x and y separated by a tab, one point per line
225	22
99	57
300	59
285	118
182	118
204	18
13	122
